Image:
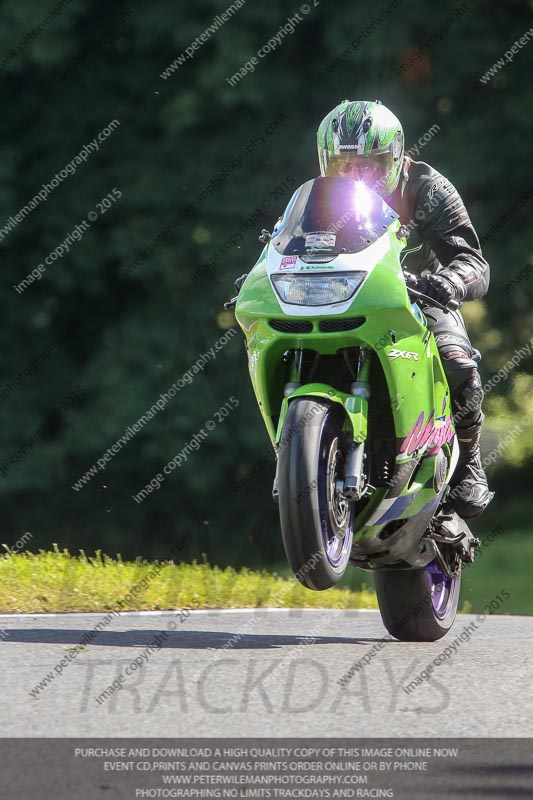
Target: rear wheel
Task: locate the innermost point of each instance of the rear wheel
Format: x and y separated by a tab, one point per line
316	519
418	605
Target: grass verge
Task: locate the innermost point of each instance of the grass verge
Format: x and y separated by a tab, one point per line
56	581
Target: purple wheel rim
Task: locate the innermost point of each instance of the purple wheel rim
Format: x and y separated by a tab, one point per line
442	590
337	547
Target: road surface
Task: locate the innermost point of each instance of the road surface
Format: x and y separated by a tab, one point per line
266	672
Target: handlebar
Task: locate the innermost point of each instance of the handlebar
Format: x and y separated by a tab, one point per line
411	282
453	305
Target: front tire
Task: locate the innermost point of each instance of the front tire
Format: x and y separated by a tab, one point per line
316	520
417	605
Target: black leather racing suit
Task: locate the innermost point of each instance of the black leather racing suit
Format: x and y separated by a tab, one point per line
443	240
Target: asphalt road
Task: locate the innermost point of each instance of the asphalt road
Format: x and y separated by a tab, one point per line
268	672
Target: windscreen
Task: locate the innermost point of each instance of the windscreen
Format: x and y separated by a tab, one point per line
330	216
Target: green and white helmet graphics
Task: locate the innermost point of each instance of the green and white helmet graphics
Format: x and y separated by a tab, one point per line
364	140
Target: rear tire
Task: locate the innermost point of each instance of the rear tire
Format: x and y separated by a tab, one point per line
417	605
316	520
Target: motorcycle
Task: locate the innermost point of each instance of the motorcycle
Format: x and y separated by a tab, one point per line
353	395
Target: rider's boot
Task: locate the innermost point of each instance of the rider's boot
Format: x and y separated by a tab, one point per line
469	494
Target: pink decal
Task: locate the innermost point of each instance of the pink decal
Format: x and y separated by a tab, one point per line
422	434
427	433
288	261
410	443
442	435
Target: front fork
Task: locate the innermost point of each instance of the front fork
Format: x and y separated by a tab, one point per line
354	484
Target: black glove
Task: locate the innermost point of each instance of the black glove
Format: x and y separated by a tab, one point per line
442	287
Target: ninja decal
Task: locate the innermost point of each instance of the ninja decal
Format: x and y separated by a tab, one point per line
431	434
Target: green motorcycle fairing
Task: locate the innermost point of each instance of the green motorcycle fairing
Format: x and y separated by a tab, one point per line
343	249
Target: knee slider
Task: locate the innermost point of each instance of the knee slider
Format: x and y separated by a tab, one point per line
456	362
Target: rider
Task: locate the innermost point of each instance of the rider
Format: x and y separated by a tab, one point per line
365	141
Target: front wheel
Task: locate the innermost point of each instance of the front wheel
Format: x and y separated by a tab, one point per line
418	605
316	518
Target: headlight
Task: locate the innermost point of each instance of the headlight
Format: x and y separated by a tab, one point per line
317	290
